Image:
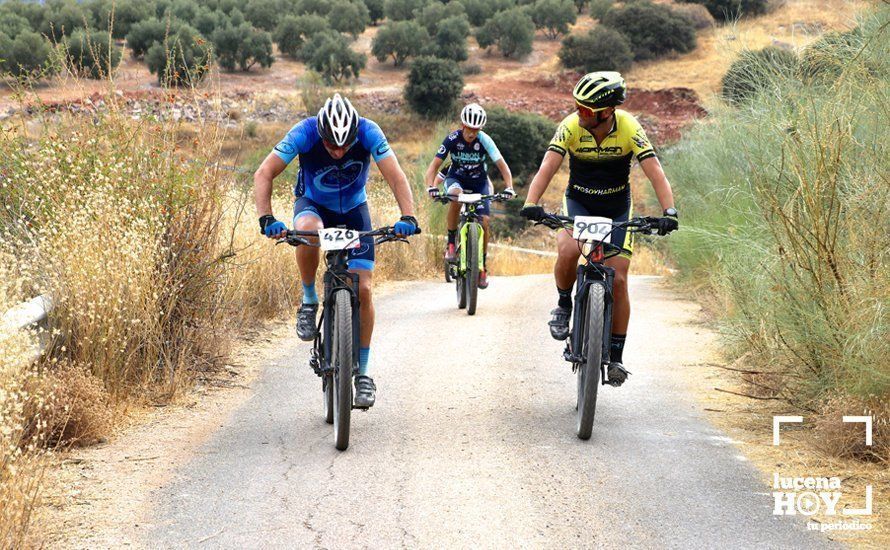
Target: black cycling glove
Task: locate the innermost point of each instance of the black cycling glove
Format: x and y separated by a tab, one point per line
533	212
668	223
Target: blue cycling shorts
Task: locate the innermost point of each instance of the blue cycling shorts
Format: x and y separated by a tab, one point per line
359	218
482	186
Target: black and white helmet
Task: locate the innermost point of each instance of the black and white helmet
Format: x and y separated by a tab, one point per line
473	115
338	121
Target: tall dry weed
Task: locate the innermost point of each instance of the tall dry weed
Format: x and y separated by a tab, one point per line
786	202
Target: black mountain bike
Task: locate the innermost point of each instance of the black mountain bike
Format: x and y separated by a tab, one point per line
587	347
464	271
334	355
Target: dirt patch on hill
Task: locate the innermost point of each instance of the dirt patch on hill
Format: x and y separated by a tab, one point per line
664	112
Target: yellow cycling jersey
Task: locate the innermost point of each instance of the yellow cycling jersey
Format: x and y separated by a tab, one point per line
599	173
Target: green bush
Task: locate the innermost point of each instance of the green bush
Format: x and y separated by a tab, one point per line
450	41
435	12
600	49
185	10
579	5
399	40
92	54
263	14
826	58
402	10
348	16
697	14
757	71
654	30
319	7
293	32
181	59
144	34
207	21
512	31
554	16
329	55
242	47
599	8
724	10
480	11
11	24
521	137
375	10
433	87
64	18
28	54
32	11
126	13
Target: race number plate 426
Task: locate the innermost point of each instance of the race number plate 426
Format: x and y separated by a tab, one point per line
591	228
336	238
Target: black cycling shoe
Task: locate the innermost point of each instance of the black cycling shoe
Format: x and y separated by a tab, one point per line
617	374
307	330
559	323
365	391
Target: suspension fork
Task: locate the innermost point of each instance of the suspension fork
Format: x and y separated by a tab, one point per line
464	231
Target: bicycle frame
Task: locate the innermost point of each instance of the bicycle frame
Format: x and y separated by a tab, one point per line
468	215
335	278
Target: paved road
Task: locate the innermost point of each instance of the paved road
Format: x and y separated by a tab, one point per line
472	444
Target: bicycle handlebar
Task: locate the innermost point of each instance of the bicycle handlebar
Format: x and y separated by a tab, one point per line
497	197
295	237
642	224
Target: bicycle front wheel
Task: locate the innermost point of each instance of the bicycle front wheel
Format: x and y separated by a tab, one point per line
343	364
328	383
589	371
472	274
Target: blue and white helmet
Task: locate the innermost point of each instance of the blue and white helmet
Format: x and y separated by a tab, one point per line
338	121
473	116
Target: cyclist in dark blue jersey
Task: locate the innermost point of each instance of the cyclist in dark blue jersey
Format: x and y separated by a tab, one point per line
470	150
335	150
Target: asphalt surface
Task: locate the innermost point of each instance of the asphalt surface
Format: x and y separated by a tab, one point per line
472	444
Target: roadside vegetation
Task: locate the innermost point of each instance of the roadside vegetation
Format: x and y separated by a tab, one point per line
786	233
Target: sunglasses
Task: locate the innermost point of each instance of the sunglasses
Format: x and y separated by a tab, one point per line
587	112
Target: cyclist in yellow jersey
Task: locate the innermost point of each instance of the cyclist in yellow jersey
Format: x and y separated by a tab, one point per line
601	142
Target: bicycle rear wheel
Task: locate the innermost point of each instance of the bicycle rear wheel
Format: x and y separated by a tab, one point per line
472	274
589	372
343	364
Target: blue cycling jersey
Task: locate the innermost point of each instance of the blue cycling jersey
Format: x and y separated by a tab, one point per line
338	185
468	160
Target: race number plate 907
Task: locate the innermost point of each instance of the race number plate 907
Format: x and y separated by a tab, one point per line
337	238
591	228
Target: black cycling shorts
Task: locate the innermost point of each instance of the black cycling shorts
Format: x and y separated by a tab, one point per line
620	237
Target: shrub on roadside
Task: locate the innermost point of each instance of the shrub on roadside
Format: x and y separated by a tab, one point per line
554	16
600	49
825	59
433	87
757	71
798	277
653	30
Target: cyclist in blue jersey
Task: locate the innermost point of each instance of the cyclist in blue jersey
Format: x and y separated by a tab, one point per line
470	150
335	149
